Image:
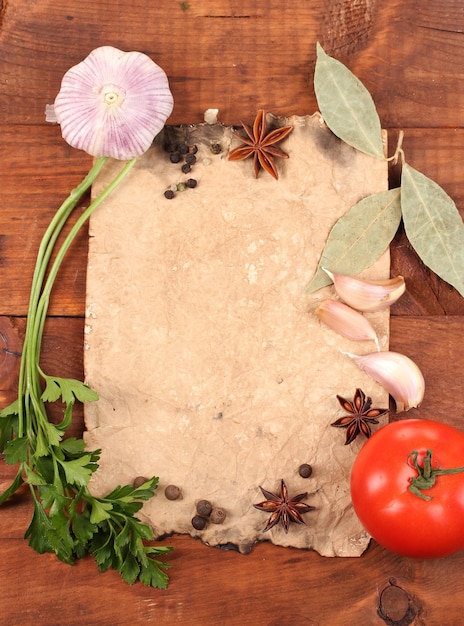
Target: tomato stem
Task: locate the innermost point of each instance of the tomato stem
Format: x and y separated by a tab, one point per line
427	475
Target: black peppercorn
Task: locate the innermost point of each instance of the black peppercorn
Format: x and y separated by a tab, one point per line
175	157
183	148
216	148
204	508
198	522
191	183
193	149
172	492
169	194
190	159
218	516
186	168
305	470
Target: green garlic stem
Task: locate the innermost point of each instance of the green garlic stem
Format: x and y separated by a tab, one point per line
31	406
43	257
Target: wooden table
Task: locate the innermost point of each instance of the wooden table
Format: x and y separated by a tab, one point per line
238	57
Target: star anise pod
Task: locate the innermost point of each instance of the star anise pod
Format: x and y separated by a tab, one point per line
282	508
259	143
361	416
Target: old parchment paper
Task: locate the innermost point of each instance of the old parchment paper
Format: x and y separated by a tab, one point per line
212	370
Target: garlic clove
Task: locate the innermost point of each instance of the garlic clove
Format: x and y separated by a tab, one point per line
346	321
366	295
397	373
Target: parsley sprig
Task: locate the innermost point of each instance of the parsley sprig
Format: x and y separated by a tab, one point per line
67	518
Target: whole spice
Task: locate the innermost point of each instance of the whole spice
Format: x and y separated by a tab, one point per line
361	416
218	516
259	144
282	508
305	470
199	522
216	148
172	492
204	508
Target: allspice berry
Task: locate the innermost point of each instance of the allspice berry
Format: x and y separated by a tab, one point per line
138	482
305	470
204	508
172	492
199	522
218	515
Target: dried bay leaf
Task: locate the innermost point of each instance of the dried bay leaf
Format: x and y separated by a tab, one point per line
346	105
359	237
433	226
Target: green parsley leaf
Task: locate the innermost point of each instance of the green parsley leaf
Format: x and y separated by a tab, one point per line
83	530
16	451
33	477
72	446
130	569
152	574
8	424
15	485
10	410
50	534
69	389
100	511
79	470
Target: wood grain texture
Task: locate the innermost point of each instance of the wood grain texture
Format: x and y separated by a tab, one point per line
237	57
271	586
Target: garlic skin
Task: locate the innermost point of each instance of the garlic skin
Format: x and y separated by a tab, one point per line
112	104
346	321
397	374
366	295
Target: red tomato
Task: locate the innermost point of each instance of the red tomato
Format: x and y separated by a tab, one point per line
392	514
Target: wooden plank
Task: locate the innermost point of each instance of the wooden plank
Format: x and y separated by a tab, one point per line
206	51
438	154
409	55
39	171
241	58
269	586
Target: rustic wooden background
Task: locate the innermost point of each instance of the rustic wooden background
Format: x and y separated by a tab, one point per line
237	56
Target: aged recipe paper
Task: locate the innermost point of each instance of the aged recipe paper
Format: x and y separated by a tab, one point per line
212	370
